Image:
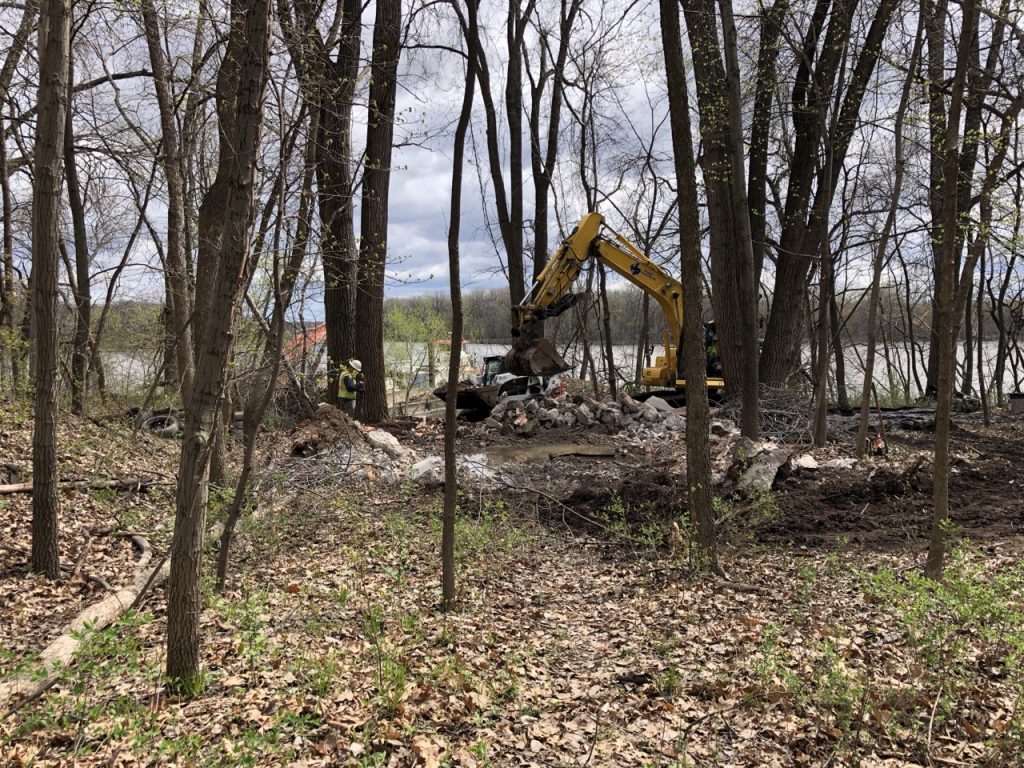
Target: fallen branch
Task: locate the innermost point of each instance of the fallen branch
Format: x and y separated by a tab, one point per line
82	555
109	484
59	653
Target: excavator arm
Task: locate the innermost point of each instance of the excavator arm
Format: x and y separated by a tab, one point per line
551	295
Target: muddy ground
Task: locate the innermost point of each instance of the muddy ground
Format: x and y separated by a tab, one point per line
882	503
889	506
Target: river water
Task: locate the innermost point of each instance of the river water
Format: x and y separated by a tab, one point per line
130	371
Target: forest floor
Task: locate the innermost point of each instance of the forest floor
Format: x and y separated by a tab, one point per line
583	636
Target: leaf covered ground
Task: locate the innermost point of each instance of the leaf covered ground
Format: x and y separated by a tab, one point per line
568	648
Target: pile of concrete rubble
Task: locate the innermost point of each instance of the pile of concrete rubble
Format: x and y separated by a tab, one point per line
332	448
646	419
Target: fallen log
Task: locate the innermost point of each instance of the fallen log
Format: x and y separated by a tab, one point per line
59	653
103	484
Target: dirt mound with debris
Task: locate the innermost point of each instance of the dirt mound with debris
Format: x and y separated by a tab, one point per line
886	503
328	427
657	496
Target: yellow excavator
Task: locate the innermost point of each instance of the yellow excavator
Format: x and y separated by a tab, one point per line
533	355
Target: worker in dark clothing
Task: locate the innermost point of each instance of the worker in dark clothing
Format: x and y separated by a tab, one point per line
351	385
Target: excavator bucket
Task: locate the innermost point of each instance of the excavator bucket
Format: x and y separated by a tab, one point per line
537	357
531	353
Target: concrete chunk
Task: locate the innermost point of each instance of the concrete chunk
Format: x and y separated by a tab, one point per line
385	441
659	403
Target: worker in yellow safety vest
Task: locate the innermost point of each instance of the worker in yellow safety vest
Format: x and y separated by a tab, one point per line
351	385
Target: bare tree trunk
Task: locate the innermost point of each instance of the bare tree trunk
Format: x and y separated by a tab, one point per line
821	370
7	326
210	230
178	291
373	246
509	212
800	238
606	324
838	354
883	243
8	337
266	381
331	84
698	461
543	162
743	254
250	23
945	294
760	128
82	289
52	101
644	336
982	384
451	488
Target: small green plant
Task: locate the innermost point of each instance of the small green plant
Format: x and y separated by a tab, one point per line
251	616
835	688
392	674
667	681
318	674
764	505
478	749
392	681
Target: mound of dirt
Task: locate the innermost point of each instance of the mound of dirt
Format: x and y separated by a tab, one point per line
328	427
887	504
635	501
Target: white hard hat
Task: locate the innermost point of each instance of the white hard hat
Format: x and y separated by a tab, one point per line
356	366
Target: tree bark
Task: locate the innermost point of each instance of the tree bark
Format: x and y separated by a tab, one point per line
7	325
179	301
878	260
800	238
543	160
760	129
54	58
249	23
455	286
263	389
698	461
8	337
372	405
508	203
945	294
82	290
330	85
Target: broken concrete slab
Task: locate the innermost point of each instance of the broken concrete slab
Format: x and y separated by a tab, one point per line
629	405
659	403
385	441
760	475
429	472
803	461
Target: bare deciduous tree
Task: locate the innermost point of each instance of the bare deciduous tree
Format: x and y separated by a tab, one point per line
48	153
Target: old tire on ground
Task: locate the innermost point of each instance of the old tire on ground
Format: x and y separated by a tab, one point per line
163	425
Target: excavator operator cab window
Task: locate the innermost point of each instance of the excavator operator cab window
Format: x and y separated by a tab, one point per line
493	366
